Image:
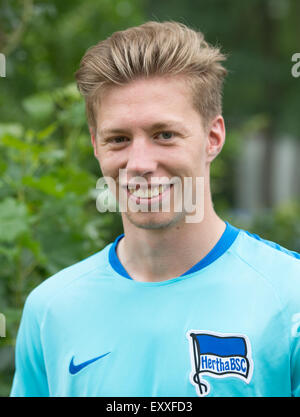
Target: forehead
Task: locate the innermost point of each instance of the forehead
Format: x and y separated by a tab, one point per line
150	100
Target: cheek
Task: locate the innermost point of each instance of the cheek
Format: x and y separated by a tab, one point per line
191	160
109	164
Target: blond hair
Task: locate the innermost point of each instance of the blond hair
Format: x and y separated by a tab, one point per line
154	49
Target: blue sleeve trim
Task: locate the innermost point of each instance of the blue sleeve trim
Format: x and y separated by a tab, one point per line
274	245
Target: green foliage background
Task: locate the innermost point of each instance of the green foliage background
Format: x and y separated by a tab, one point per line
48	174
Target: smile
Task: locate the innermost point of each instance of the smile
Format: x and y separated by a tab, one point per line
149	192
146	195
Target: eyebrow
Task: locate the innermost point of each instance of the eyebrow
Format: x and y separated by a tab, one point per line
156	126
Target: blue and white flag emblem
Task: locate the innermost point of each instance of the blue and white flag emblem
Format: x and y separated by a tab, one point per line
218	355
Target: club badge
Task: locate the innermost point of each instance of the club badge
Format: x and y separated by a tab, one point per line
220	356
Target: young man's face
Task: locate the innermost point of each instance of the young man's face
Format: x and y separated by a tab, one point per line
150	129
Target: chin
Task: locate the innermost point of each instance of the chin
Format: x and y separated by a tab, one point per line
154	222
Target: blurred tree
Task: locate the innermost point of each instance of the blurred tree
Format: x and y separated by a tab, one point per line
44	41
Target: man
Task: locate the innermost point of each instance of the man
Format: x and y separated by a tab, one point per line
183	303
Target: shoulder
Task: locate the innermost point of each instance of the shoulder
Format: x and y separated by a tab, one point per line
60	283
265	255
276	265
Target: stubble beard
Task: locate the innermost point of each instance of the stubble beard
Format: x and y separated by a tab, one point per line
155	224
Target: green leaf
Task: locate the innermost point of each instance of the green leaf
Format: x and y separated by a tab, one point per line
20	145
13	219
39	106
12	129
69	91
45	133
47	184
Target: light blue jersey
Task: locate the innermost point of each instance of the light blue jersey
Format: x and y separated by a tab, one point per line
229	326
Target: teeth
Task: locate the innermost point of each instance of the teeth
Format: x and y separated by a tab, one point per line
154	191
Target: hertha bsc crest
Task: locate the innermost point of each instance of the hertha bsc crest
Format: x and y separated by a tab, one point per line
218	355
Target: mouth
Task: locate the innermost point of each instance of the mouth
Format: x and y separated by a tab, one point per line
152	193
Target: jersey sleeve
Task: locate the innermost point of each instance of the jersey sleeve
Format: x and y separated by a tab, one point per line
30	379
281	268
295	350
292	279
296	366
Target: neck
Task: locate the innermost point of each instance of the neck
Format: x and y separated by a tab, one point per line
161	254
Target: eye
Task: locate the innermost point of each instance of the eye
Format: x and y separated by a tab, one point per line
165	135
118	140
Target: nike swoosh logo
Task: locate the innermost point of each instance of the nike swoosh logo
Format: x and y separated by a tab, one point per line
73	369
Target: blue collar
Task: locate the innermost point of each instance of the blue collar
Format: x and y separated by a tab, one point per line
225	241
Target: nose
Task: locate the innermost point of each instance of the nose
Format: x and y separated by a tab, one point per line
142	158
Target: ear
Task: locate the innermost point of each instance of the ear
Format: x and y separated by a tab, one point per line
215	138
93	140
